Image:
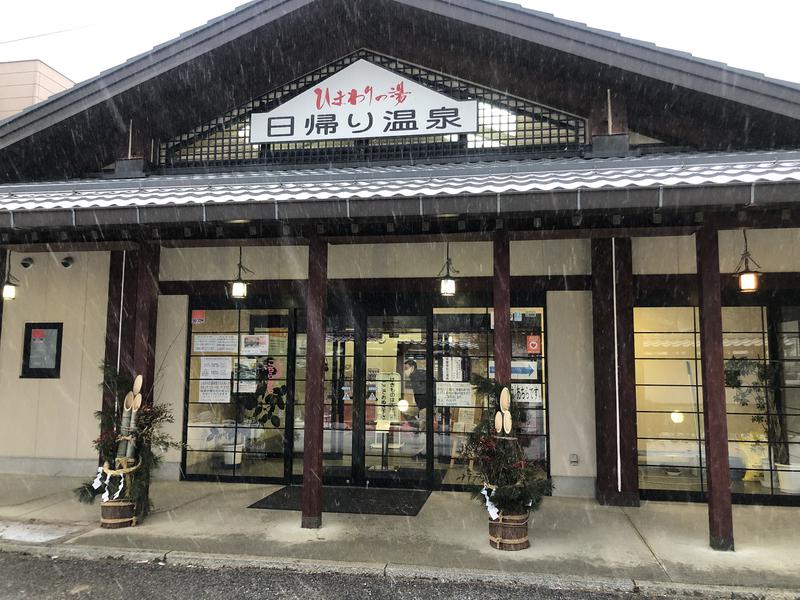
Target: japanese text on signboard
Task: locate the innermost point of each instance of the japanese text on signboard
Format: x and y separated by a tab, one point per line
361	101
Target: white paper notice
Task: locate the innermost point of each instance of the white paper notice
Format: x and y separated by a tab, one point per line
527	393
218	343
255	344
453	393
451	368
215	367
215	391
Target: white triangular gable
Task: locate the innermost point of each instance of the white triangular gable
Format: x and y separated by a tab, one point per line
364	100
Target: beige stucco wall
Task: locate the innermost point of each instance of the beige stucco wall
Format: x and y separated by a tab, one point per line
776	250
570	399
171	370
220	263
551	257
26	82
362	261
359	261
48	425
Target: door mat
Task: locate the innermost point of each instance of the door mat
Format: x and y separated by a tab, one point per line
354	500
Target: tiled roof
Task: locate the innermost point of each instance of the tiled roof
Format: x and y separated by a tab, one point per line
410	181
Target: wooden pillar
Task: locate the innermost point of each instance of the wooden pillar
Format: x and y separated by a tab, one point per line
315	382
720	517
614	372
502	308
5	256
145	320
113	356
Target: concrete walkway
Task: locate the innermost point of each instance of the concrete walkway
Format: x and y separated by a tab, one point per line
658	542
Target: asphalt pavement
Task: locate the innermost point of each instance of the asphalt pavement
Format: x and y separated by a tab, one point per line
29	577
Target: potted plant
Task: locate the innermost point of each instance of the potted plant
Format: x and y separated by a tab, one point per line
510	484
762	381
131	439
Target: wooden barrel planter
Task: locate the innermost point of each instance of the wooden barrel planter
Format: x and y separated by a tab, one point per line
116	514
509	532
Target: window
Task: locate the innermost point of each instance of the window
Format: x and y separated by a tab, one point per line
760	405
232	351
41	354
463	347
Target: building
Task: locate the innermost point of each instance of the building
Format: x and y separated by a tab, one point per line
26	82
588	193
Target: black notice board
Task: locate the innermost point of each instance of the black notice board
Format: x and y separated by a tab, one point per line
41	354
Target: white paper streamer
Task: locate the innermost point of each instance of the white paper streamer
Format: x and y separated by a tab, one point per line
493	512
98	481
121	485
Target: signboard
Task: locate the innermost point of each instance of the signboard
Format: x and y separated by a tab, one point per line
533	344
454	393
43	349
256	344
452	368
520	369
387	391
527	393
215	391
198	317
215	367
364	100
218	343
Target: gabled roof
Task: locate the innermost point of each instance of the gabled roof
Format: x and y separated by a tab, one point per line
641	58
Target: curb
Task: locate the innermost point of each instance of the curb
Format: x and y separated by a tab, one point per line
649	589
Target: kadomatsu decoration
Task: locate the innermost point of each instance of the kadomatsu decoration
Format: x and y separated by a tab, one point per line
131	437
510	484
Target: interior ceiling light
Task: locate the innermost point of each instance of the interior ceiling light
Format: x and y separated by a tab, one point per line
748	277
238	285
447	285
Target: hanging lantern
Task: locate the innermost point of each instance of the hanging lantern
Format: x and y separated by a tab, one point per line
447	284
748	277
9	291
10	283
239	286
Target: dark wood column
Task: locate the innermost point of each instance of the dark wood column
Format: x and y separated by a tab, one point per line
5	256
502	308
145	320
113	356
614	372
720	518
315	382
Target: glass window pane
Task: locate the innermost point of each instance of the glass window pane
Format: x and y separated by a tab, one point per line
664	319
665	345
666	372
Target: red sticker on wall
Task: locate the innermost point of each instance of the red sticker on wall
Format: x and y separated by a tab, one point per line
198	317
533	344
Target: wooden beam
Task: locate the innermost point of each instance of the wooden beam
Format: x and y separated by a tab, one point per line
112	354
5	256
145	319
315	383
720	518
502	307
615	388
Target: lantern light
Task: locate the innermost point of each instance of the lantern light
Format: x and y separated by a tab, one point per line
748	278
447	284
238	287
10	283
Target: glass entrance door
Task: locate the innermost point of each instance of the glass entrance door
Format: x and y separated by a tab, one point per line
397	399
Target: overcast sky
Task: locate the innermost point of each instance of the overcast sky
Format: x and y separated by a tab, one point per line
81	38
